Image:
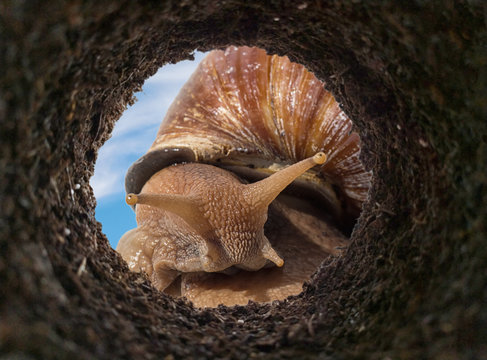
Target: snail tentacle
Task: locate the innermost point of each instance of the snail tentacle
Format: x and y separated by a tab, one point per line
263	192
185	206
269	253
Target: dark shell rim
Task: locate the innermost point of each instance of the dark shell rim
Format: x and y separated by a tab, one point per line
142	170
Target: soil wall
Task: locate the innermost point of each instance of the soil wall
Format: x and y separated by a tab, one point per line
411	75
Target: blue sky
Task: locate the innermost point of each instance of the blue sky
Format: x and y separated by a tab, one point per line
132	136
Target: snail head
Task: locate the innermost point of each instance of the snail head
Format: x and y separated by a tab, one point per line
227	215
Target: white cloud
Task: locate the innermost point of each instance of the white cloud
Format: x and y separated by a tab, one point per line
106	181
148	111
179	72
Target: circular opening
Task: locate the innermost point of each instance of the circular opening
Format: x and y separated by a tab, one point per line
251	115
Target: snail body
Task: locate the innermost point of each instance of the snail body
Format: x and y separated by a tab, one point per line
251	115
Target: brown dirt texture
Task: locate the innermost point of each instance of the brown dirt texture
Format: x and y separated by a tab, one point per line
411	75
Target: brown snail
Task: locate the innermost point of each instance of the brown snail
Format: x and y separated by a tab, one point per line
244	116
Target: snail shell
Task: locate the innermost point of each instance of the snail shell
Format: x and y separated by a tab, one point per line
253	114
246	110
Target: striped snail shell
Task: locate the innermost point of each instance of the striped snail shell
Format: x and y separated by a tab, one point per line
252	115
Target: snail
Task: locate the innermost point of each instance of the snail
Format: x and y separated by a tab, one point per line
213	225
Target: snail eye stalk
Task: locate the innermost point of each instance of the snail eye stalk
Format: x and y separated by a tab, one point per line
263	192
186	206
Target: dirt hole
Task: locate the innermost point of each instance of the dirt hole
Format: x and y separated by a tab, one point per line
252	115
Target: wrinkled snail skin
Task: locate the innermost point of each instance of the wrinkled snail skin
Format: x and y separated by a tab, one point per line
251	115
224	217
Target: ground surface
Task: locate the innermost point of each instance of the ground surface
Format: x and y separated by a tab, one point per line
412	78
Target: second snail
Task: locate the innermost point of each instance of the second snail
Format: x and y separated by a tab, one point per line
212	223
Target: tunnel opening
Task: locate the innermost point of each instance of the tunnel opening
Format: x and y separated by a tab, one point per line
259	113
